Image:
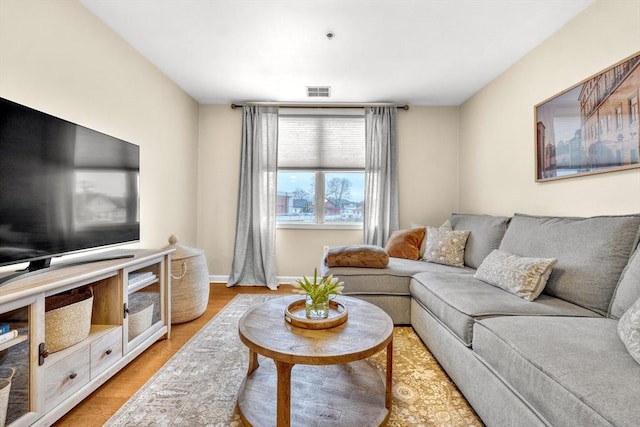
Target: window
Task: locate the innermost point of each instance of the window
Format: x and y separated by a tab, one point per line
633	109
619	117
320	167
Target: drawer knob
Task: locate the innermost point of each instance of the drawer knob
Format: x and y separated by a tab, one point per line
108	352
73	375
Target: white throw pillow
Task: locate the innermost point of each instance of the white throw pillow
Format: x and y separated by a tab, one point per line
522	276
629	330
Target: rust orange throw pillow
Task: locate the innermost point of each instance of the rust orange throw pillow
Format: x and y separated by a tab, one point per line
406	243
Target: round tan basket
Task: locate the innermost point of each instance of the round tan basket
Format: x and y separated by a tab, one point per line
189	282
70	323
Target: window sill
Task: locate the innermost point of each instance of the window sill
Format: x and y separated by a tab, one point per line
311	226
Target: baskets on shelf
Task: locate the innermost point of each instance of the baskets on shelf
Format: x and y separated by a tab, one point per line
6	374
67	318
140	313
189	282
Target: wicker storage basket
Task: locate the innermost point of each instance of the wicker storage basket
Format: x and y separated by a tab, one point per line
67	318
140	313
189	282
5	389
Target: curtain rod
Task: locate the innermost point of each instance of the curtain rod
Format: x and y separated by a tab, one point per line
285	105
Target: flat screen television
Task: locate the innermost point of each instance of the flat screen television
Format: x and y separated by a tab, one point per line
64	188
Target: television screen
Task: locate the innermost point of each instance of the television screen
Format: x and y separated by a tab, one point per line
64	188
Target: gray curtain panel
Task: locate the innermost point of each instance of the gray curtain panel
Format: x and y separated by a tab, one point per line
381	175
254	253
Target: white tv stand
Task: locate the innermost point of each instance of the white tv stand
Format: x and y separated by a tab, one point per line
47	385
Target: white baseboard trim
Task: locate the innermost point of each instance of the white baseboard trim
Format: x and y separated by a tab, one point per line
282	280
287	280
218	279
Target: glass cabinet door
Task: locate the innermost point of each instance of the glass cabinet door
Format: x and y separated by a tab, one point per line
144	306
15	371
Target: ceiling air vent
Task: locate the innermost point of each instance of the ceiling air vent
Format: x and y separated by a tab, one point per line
318	91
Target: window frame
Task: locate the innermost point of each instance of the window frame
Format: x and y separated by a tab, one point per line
319	201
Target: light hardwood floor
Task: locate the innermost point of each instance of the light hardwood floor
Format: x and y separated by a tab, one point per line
96	409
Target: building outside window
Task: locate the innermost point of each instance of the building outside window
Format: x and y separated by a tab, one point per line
320	168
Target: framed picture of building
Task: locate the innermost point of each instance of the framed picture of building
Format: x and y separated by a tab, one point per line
591	127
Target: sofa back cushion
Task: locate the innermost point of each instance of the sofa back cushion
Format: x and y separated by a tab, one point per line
591	253
486	234
628	290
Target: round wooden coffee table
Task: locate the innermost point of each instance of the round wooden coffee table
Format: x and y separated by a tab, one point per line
332	382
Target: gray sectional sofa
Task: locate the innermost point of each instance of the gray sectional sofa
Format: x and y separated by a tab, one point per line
557	360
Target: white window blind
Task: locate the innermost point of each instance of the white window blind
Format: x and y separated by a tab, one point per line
321	141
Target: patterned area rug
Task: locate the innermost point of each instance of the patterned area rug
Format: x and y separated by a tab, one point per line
198	386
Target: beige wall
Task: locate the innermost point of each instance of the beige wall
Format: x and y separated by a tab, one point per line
218	165
428	164
58	58
497	124
427	139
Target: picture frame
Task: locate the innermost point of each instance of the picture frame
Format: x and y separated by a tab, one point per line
591	127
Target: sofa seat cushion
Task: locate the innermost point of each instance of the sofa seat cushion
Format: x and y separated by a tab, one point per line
574	371
392	280
458	300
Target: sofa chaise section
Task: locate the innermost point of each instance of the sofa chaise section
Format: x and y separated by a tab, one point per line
491	397
575	371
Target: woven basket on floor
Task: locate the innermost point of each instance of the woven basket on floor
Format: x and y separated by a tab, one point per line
189	282
67	318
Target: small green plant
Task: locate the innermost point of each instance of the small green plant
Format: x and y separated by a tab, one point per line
318	291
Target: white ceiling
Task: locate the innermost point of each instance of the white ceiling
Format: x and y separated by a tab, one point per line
424	52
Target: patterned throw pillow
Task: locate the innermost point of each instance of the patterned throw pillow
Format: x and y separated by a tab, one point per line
629	330
522	276
405	243
446	225
445	247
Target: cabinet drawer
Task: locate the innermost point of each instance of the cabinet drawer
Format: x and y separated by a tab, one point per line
105	351
66	376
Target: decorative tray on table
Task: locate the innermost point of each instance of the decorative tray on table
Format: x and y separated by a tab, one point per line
295	314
